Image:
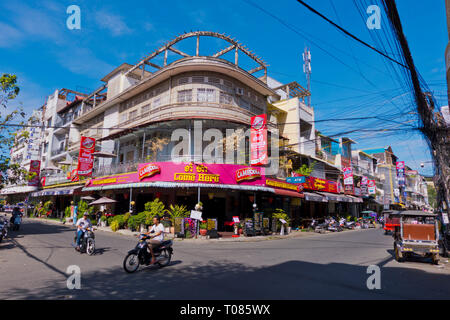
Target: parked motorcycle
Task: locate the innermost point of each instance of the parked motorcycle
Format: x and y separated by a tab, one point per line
87	241
3	228
141	256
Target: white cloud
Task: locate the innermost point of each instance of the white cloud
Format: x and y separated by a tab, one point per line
10	36
112	22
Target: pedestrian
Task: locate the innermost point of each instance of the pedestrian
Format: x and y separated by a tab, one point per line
99	217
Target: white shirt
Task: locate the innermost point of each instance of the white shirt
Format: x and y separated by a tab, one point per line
83	223
158	228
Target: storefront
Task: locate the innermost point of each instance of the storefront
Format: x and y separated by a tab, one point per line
225	190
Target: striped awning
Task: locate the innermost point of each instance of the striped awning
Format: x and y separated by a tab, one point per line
161	184
55	191
18	189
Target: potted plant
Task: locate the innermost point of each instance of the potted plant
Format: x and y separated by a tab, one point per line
279	214
203	228
240	228
177	211
103	221
67	214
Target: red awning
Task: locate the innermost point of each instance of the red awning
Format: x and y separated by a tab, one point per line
288	193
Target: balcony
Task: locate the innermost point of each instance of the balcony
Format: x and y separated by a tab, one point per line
58	151
328	157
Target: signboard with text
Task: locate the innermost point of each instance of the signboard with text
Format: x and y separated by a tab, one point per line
258	140
85	157
35	167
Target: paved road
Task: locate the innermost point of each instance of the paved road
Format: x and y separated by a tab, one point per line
34	261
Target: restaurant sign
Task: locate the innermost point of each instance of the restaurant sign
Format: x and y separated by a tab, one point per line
317	184
148	170
283	185
247	174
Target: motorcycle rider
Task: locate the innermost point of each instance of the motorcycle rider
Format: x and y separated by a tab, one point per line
82	225
16	212
157	237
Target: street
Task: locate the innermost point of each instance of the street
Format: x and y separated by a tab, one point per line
34	261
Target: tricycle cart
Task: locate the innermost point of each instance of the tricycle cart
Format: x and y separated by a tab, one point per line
418	234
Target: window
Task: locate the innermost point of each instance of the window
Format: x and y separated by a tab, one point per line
133	114
204	95
123	117
145	109
226	98
256	109
157	102
245	104
183	81
184	96
197	79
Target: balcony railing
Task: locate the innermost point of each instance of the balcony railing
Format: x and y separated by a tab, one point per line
58	151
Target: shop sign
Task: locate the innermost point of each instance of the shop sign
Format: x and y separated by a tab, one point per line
35	167
258	140
400	166
43	181
371	186
348	176
196	215
236	219
247	174
85	157
301	179
211	224
412	172
148	170
282	185
317	184
358	192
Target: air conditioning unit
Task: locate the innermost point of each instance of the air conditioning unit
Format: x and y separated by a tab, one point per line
239	91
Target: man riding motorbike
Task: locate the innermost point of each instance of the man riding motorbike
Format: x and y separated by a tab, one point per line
16	212
157	237
82	225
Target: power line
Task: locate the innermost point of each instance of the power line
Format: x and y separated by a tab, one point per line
349	34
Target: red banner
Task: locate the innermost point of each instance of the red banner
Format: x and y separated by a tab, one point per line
317	184
35	166
258	140
85	158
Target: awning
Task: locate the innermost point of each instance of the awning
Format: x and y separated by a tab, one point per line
288	193
55	191
161	184
314	197
334	197
355	199
18	189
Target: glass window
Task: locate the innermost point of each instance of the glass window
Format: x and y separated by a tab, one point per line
133	114
205	95
245	104
184	96
123	117
145	109
226	98
157	102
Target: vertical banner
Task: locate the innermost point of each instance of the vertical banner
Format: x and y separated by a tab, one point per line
85	158
35	167
348	176
258	140
364	181
401	173
371	186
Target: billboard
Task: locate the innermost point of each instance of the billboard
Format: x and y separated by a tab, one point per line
258	140
85	158
400	166
371	186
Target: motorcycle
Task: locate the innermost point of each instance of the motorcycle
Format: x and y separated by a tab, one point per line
87	242
3	228
141	256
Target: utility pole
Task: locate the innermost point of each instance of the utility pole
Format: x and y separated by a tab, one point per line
307	71
437	135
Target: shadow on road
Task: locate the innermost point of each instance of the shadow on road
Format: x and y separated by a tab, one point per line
224	280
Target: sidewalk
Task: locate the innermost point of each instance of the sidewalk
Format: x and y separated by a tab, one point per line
202	239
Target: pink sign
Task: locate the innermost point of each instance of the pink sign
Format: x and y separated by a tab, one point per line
184	173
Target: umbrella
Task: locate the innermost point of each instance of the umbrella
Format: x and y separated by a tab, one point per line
101	154
89	198
103	200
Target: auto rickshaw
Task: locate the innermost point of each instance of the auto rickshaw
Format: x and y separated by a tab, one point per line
391	220
418	234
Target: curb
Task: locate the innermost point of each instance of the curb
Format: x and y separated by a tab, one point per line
123	232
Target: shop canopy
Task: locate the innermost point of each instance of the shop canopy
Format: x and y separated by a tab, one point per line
288	193
355	199
160	184
55	191
335	197
19	189
314	197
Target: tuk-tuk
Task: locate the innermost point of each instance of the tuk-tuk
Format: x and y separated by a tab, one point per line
390	221
418	233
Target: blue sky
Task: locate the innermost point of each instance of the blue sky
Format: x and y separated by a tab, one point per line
348	80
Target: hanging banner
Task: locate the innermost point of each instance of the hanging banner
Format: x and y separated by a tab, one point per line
401	173
317	184
35	167
74	176
43	181
371	187
85	158
258	140
348	176
364	190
